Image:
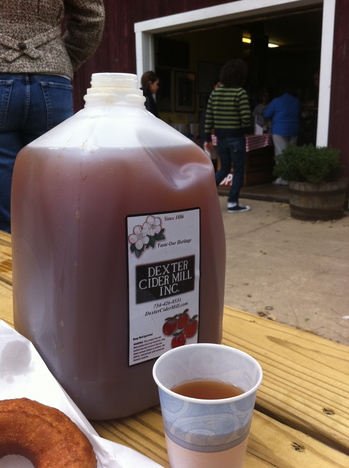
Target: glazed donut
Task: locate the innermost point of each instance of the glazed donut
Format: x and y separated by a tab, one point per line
44	435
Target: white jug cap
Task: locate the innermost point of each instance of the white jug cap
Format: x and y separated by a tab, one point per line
114	88
119	80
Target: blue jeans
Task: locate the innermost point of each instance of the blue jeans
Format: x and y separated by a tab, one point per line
30	105
232	152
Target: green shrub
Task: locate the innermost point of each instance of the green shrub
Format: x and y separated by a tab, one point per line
308	164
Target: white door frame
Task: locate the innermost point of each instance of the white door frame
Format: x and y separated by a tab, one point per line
145	30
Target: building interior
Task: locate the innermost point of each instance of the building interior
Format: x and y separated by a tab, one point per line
199	55
276	48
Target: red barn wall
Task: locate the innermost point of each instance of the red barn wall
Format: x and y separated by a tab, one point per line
117	51
339	113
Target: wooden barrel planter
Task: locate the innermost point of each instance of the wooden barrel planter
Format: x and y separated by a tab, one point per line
317	202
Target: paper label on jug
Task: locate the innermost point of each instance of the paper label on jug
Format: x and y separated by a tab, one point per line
164	281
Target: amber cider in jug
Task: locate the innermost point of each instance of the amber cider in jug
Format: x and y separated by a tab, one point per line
118	248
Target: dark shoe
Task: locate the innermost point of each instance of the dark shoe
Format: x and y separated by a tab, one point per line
237	208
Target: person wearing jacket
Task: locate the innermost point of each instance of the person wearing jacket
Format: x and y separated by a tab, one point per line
37	64
285	114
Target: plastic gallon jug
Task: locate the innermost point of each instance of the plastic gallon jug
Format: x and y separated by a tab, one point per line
118	248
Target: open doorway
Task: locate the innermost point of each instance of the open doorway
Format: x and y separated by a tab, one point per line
262	20
276	48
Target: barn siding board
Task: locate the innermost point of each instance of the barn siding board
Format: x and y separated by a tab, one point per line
117	51
339	112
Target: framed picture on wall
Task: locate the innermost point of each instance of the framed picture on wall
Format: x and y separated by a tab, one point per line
185	91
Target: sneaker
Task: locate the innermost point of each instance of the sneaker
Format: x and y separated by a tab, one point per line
280	181
237	208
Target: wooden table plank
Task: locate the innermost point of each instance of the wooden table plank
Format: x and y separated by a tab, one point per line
271	443
6	302
303	375
142	432
306	377
5	258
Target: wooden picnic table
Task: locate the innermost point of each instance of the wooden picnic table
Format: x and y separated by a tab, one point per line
302	408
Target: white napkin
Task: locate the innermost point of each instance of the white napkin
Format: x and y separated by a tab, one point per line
23	373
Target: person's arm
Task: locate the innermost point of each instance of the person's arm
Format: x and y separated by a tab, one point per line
150	105
269	111
84	29
245	111
209	121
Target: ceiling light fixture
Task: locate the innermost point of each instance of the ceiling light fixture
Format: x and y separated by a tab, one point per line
271	45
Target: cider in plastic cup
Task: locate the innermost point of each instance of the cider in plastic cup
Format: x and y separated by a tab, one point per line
207	432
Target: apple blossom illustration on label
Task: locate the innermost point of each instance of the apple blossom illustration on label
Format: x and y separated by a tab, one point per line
164	282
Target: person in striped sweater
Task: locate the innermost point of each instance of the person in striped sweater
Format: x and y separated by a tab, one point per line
229	114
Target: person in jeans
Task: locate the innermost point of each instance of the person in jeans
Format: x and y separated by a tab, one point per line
37	64
228	112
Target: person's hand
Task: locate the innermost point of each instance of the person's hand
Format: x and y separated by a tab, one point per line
208	146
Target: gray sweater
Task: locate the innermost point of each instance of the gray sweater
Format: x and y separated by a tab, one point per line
31	39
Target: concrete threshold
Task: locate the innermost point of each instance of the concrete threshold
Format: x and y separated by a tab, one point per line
265	192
